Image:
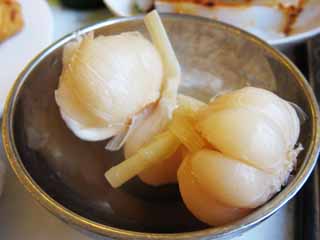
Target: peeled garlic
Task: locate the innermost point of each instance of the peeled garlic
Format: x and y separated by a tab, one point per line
232	182
265	102
102	80
247	136
254	126
165	171
202	205
254	133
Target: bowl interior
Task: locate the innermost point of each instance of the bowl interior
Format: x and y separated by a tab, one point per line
214	58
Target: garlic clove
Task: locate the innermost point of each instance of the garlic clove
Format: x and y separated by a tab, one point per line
202	205
232	182
89	133
262	101
163	172
247	136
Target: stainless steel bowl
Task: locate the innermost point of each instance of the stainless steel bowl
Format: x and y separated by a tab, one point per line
65	174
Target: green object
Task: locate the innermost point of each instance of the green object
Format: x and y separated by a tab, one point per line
82	4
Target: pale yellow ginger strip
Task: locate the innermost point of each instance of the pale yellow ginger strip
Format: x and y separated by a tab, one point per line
161	147
182	124
189	106
183	128
172	71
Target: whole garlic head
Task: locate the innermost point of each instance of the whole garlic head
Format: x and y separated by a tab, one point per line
254	126
106	81
252	135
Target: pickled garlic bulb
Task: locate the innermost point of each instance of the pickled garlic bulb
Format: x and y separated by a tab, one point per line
253	126
102	80
253	133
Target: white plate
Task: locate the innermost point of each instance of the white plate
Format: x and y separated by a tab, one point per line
128	7
261	21
16	51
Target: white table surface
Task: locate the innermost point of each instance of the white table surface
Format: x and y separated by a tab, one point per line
23	218
17	51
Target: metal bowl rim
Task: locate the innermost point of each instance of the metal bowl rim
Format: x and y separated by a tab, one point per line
235	228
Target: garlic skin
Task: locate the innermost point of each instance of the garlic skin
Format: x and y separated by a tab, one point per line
148	124
102	80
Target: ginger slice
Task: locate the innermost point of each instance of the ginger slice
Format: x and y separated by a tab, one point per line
161	147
